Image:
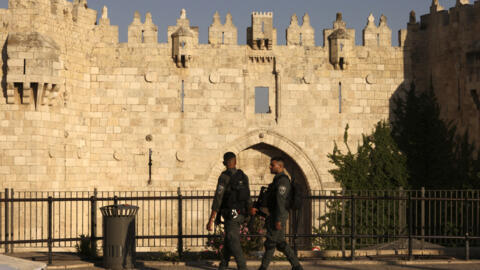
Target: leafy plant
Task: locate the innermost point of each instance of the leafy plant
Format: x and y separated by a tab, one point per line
250	244
85	249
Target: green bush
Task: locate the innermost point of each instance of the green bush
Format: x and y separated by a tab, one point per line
249	244
84	248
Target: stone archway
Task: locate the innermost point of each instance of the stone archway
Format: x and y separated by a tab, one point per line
255	160
254	151
274	139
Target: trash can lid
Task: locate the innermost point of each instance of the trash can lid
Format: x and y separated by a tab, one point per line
119	210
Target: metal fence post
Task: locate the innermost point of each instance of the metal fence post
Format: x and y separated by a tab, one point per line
93	219
422	217
410	226
6	220
343	224
402	211
49	240
352	228
12	194
467	247
467	242
180	221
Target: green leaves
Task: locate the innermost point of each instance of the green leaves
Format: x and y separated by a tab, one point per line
437	157
377	164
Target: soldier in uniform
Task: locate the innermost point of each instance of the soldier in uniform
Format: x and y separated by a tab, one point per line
277	202
232	201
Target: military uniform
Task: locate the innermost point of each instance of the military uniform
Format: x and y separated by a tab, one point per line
232	216
278	192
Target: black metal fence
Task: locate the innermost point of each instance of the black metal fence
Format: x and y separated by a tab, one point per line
328	220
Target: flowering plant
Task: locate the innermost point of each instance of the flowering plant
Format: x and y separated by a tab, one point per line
249	243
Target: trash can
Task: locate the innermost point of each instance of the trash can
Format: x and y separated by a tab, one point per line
119	236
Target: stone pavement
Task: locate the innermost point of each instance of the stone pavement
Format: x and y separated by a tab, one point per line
72	261
335	265
12	263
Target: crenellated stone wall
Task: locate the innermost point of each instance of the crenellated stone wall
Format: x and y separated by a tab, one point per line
444	55
81	110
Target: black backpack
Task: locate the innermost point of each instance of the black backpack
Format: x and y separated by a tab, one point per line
296	196
237	192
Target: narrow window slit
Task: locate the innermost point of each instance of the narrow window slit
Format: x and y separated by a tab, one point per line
182	95
339	97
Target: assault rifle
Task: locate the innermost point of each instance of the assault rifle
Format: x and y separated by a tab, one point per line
258	204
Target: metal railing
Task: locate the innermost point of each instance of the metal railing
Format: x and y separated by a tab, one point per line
329	219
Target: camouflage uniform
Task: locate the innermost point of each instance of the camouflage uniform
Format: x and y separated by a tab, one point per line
232	244
278	192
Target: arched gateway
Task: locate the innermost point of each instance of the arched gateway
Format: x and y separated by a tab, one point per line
273	139
254	151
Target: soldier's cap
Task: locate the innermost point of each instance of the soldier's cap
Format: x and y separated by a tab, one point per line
228	155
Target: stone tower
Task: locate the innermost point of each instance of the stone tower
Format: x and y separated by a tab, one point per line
341	42
261	35
184	40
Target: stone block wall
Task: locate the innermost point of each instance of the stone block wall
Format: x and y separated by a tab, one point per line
119	106
444	55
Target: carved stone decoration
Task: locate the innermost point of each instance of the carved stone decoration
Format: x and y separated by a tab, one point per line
81	152
52	153
10	93
308	78
370	79
104	12
216	19
117	155
261	34
462	2
151	77
383	20
435	7
371	20
180	156
104	20
261	58
214	77
413	17
27	93
54	94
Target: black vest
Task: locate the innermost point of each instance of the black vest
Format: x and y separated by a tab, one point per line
237	192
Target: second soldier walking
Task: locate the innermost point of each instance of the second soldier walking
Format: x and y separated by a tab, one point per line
278	193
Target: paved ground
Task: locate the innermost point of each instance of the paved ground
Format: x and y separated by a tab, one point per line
71	261
12	263
345	266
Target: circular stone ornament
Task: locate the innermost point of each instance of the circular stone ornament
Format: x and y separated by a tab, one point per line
81	152
151	77
214	78
117	156
370	79
308	78
149	138
51	153
180	156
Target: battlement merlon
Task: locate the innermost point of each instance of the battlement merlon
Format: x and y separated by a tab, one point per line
77	11
268	14
4	14
462	12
